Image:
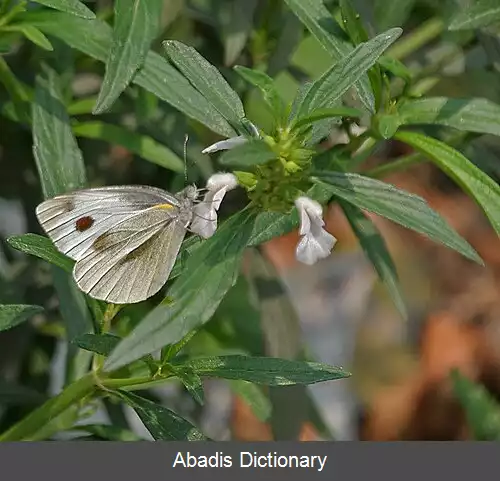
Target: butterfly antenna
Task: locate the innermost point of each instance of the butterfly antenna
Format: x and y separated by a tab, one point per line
186	139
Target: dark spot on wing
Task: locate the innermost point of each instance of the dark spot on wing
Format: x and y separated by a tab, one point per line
139	251
102	242
84	223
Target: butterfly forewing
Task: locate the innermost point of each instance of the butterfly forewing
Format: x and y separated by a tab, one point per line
131	261
73	221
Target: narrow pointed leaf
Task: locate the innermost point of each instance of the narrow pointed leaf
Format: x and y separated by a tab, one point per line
74	7
162	423
267	86
482	188
94	38
326	113
102	344
337	80
478	13
376	251
318	20
61	169
481	408
408	210
136	24
470	115
12	315
253	152
32	34
236	27
211	270
43	248
207	80
352	23
264	370
142	145
396	67
193	384
58	158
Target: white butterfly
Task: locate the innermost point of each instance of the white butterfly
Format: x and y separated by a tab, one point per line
124	239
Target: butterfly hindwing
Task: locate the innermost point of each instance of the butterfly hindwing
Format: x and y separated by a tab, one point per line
132	260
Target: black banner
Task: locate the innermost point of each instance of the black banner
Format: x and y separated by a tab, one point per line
206	461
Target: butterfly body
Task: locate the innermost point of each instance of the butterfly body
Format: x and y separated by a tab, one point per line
124	239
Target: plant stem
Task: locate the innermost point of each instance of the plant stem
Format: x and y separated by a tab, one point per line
134	384
28	427
422	35
110	313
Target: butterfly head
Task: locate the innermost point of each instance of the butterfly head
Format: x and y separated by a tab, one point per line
190	193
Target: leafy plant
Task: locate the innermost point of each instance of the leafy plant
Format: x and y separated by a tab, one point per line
157	82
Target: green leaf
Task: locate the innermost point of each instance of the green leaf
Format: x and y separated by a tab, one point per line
375	249
207	80
354	26
42	247
211	270
253	152
61	169
136	24
269	225
14	394
396	67
102	344
478	13
343	74
409	210
470	115
264	370
14	314
236	27
193	384
74	7
325	113
482	188
142	145
19	93
51	411
268	88
162	423
58	158
352	23
32	34
108	432
481	409
392	14
387	125
94	38
318	20
254	397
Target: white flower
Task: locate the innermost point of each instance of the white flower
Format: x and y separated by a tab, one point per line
204	221
232	142
225	144
316	243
